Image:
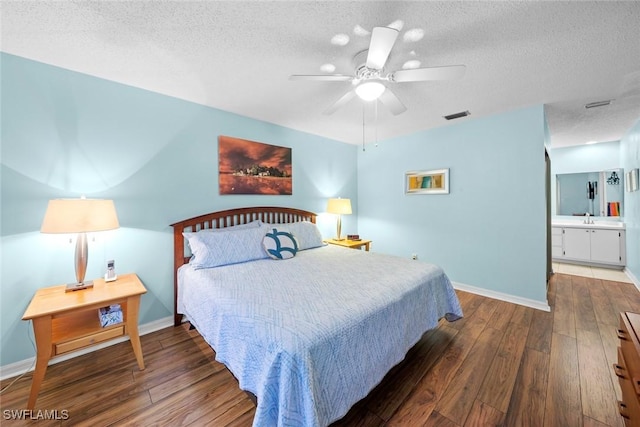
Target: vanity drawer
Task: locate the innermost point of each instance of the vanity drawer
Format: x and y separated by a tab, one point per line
556	242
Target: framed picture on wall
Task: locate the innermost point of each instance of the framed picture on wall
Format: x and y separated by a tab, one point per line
427	182
634	179
249	167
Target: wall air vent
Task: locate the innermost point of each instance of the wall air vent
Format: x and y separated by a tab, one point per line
457	115
598	103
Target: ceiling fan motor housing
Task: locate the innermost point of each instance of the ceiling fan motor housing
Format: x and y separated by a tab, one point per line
366	73
362	72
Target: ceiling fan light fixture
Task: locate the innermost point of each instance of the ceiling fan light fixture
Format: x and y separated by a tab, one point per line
370	91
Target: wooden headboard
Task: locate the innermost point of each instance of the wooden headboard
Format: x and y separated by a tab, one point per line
222	219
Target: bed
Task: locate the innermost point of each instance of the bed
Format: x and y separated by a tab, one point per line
309	335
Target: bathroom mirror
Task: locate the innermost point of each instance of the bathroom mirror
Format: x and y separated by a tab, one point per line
597	193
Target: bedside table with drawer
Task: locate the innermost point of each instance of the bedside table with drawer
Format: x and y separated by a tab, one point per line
353	244
68	321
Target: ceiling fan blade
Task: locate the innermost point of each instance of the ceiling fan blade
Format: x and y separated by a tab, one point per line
322	77
339	103
382	40
392	102
449	72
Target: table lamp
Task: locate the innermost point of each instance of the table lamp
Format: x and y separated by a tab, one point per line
79	216
339	207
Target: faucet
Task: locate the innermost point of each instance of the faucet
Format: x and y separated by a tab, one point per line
587	221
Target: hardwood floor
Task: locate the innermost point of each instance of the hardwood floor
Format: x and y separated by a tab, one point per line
502	364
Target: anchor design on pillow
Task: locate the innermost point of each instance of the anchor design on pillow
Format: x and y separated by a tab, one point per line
280	244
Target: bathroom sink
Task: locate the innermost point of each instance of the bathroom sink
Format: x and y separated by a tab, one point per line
607	224
614	225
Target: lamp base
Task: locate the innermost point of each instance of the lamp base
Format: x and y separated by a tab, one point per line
71	287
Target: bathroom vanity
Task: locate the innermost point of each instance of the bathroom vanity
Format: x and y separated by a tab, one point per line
600	243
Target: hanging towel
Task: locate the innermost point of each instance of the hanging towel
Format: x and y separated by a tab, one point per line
591	190
613	209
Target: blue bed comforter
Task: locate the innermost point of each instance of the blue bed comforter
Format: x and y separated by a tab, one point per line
312	335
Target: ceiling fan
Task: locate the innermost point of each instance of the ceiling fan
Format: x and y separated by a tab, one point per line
369	76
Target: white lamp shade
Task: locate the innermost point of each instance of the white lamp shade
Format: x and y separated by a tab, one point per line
79	216
369	91
339	206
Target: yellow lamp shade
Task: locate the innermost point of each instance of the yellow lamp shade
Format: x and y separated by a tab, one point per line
79	216
339	206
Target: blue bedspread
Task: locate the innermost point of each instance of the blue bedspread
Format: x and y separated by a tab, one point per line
312	335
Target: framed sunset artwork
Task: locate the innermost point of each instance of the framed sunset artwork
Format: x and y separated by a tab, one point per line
249	167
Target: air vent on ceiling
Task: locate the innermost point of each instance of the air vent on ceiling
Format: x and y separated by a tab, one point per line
457	115
598	103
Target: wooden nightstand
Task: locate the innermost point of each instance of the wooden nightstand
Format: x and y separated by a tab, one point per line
353	244
68	321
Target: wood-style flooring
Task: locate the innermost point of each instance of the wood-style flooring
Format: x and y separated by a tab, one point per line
502	365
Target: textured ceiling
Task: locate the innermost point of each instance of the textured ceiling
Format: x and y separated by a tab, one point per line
237	56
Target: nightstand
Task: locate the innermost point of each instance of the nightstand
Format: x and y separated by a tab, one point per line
353	244
68	321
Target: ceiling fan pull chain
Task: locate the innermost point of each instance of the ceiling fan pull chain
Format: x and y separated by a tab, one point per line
376	124
363	106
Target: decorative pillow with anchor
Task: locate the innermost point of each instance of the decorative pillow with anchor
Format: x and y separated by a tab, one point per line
280	244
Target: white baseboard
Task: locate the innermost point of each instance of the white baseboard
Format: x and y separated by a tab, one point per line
22	366
633	278
538	305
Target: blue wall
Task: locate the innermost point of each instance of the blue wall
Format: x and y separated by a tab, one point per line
630	159
585	158
490	231
65	134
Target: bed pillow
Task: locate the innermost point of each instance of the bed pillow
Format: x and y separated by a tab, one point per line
253	224
225	247
306	232
280	244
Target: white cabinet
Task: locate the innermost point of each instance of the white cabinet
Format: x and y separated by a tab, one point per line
588	245
606	246
577	243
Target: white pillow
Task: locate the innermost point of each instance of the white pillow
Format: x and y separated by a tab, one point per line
226	247
306	232
253	224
